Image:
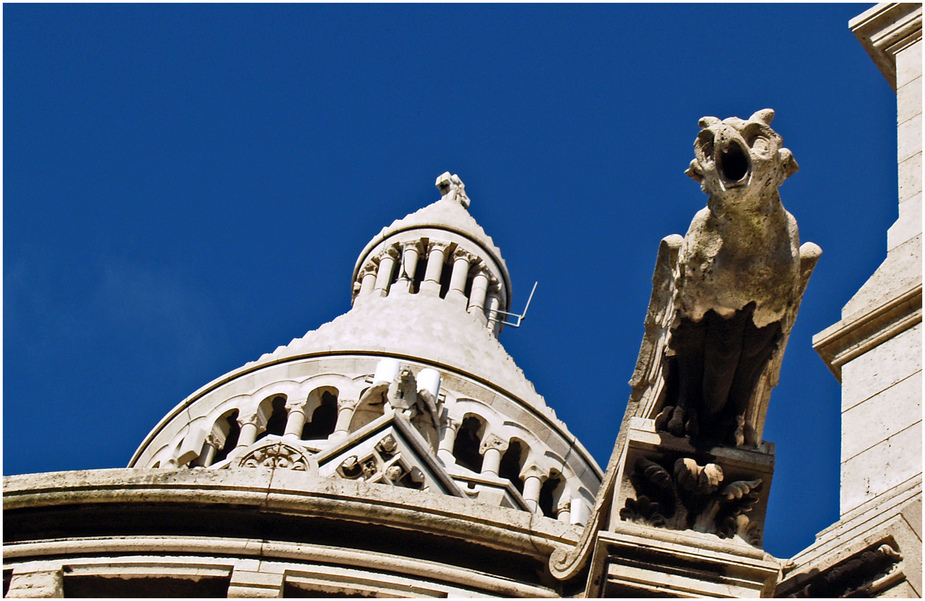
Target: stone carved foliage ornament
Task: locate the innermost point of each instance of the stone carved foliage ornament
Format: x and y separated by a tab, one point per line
384	465
276	455
726	294
855	576
691	496
493	441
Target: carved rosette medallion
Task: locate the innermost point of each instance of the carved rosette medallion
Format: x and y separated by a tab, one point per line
276	456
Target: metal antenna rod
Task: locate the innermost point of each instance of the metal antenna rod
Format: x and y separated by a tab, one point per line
520	317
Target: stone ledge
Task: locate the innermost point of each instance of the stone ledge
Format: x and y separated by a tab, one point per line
886	29
280	492
862	331
253	562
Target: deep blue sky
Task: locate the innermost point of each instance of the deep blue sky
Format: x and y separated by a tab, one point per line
187	187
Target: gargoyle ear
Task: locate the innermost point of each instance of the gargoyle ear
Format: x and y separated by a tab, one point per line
764	115
707	122
695	172
788	162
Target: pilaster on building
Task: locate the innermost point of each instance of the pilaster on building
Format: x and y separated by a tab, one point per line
875	351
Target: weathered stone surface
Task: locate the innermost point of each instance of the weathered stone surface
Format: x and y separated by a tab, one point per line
909	60
910	178
909	138
909	101
726	295
909	224
882	467
883	366
36	581
744	247
882	415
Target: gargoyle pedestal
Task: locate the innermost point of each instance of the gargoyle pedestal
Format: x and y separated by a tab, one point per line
681	508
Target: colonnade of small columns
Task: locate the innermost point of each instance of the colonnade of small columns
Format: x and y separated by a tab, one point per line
484	298
492	446
253	423
492	449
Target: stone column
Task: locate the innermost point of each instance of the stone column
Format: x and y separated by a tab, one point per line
212	445
296	419
533	480
564	510
435	258
457	292
384	276
492	447
249	426
411	251
367	282
447	441
345	409
494	304
480	285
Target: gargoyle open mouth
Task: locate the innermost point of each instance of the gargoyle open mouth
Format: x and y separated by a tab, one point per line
733	164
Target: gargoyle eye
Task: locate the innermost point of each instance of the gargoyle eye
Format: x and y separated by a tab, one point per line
760	145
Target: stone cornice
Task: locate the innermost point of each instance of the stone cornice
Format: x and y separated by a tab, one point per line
884	30
858	333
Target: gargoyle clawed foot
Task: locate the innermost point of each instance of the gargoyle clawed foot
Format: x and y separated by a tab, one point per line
679	421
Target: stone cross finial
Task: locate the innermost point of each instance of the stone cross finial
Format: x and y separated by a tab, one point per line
451	187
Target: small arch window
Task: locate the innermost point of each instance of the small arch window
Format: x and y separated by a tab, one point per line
323	418
276	424
512	462
550	494
228	424
466	447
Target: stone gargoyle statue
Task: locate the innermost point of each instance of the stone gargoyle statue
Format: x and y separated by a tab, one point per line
726	294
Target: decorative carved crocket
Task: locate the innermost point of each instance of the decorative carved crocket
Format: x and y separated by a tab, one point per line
693	497
738	279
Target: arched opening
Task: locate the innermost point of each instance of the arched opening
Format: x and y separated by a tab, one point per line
419	276
227	425
446	275
550	493
470	278
323	418
468	439
276	424
512	462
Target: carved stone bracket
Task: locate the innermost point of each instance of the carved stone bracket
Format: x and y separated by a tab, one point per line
690	496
